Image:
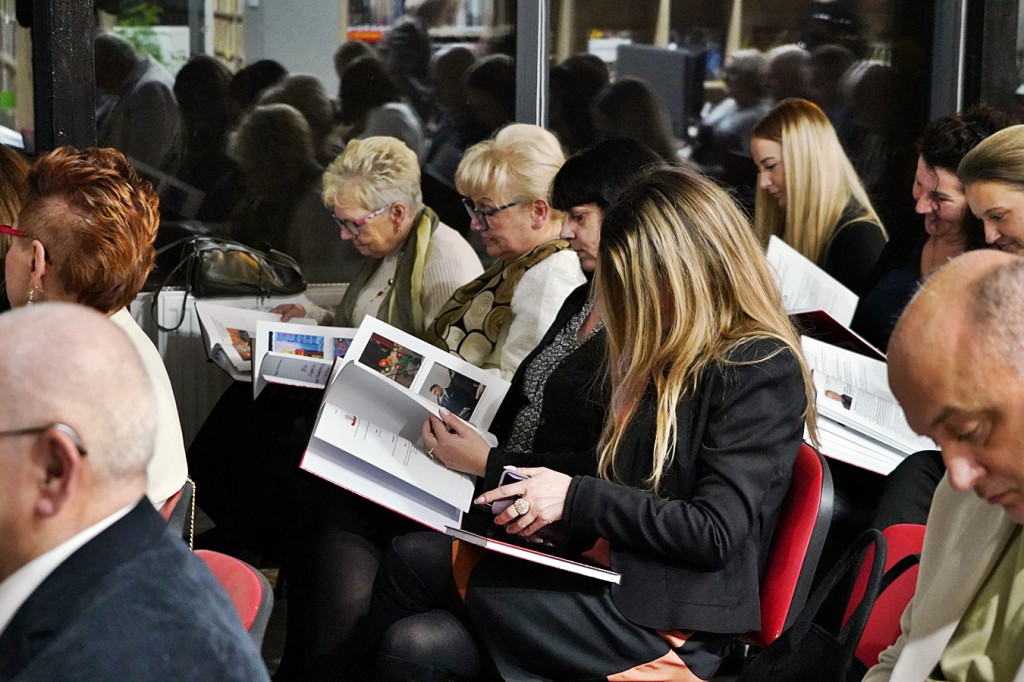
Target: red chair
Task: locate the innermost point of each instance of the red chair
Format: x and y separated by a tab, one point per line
249	590
796	547
883	626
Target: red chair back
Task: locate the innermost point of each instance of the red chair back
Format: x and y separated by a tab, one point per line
796	547
883	626
249	590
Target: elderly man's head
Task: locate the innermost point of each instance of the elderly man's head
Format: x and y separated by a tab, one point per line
956	364
76	427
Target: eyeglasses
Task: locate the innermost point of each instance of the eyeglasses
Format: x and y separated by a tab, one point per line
63	428
354	225
482	216
15	232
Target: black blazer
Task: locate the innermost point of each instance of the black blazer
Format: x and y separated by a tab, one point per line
133	603
575	403
691	556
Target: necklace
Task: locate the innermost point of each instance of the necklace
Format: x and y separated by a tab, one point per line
387	286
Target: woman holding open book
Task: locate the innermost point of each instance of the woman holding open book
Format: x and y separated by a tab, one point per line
708	400
809	195
553	412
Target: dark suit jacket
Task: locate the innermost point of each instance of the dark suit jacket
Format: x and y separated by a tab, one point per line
131	604
691	556
572	416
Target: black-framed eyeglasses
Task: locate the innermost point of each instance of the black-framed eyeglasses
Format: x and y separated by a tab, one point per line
63	428
481	216
354	225
15	232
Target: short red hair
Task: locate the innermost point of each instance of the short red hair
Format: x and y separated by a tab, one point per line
97	220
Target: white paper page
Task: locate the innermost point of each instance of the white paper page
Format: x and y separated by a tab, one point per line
846	445
366	480
231	328
439	378
299	340
295	370
379	423
854	390
805	286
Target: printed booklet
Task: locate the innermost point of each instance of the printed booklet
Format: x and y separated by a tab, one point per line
227	333
368	433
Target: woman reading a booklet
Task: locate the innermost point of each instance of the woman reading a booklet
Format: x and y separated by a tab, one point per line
554	410
413	263
809	195
708	400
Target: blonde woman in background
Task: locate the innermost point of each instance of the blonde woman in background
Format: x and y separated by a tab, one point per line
498	318
708	400
13	175
809	195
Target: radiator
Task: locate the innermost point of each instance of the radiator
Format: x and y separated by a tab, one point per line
197	382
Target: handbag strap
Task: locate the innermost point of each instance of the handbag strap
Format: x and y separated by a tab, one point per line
187	261
850	561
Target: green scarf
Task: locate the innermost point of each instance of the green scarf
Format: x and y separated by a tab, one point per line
401	306
470	322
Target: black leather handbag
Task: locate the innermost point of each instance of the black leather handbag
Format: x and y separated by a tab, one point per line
209	266
807	651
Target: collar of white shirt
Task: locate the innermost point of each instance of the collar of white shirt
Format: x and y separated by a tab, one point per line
20	585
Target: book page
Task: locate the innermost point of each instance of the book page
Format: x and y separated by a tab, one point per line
435	377
853	390
805	286
231	329
379	423
319	346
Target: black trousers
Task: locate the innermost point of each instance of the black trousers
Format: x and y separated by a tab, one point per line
534	622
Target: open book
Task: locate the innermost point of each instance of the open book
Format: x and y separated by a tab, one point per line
368	433
228	331
287	354
859	421
820	306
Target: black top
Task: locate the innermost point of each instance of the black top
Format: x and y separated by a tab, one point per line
691	556
575	402
852	252
896	279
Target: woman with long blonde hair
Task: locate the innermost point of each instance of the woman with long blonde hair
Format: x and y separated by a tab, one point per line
809	195
709	397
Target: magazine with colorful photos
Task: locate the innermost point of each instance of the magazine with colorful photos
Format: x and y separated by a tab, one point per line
860	421
368	440
228	331
289	354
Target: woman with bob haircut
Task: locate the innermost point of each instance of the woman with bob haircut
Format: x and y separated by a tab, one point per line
85	235
414	262
809	195
496	319
708	400
993	177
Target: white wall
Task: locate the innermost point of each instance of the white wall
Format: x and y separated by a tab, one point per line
300	34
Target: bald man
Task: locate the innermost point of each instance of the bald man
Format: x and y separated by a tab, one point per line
956	364
92	586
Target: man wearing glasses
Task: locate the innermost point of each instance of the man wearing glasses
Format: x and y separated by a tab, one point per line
92	586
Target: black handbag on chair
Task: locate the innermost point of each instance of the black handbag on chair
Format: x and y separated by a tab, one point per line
807	651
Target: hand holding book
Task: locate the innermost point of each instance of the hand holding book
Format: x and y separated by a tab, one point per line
455	444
